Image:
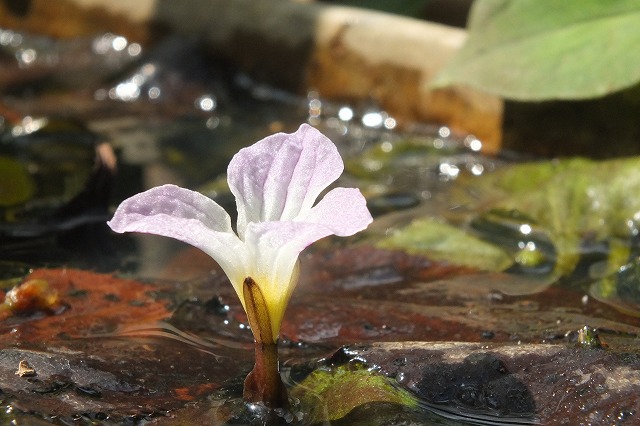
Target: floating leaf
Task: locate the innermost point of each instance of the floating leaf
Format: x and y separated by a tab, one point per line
544	49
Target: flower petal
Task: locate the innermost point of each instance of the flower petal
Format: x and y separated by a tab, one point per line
280	177
187	216
275	247
342	210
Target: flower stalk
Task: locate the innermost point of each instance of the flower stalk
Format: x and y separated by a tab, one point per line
263	384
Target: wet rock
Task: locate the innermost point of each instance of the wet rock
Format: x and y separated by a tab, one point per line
363	294
106	358
548	384
323	52
108	378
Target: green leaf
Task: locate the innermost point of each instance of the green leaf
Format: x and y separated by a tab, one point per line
549	49
440	241
331	394
572	200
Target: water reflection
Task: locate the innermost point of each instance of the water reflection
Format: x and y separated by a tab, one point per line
70	62
109	43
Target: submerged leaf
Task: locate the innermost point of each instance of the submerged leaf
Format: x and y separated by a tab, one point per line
575	201
331	395
539	219
544	49
440	241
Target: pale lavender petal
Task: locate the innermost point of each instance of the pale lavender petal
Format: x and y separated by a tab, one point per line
342	210
281	176
274	249
272	243
187	216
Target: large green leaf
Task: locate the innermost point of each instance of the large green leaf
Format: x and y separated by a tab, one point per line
549	49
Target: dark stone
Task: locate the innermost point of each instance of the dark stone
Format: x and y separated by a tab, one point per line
520	383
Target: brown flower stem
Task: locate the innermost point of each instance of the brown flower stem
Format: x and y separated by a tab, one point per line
263	383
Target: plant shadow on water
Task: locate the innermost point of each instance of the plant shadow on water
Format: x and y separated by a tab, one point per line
462	303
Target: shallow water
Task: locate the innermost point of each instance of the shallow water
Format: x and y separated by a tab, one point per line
167	342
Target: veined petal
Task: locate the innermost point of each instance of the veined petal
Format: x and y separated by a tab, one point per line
187	216
275	247
342	210
281	176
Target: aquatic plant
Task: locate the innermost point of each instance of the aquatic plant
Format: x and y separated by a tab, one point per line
275	182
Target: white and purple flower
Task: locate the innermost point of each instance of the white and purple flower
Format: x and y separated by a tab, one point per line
276	183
